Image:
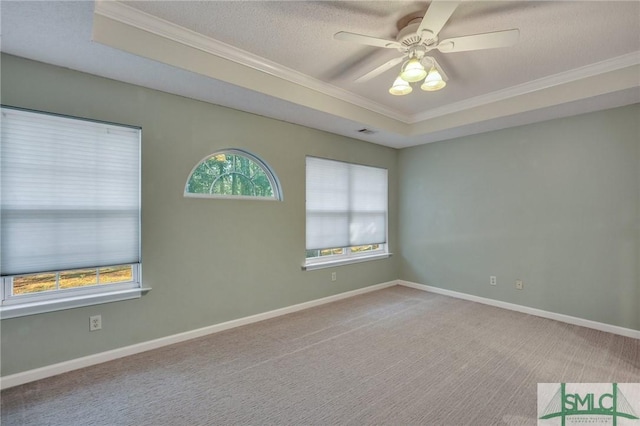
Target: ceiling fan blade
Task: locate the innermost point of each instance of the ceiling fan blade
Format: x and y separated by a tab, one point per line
437	15
480	41
382	68
368	40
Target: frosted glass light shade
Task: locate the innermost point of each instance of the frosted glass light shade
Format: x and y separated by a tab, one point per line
433	81
413	71
400	87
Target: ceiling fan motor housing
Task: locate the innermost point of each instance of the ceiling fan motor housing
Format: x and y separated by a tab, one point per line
408	36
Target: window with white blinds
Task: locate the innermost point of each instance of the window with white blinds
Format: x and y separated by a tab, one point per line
70	193
346	204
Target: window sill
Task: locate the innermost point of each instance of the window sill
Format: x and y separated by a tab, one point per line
24	309
347	261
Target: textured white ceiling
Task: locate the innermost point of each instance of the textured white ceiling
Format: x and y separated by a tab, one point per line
556	38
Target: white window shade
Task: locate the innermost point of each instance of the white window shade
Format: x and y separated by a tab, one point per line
346	204
70	193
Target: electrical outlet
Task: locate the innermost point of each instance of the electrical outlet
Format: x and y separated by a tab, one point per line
333	276
95	323
493	280
519	285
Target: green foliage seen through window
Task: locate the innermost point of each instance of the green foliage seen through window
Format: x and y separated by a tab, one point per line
231	173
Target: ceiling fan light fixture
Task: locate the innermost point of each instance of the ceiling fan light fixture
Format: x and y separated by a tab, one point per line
413	71
400	87
433	81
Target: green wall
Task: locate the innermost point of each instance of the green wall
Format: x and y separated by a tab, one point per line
208	261
556	204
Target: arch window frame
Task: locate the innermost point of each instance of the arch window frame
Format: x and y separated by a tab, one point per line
274	182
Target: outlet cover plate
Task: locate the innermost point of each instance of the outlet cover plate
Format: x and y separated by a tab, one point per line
95	323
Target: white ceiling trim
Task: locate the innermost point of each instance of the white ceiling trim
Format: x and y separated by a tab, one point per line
578	90
587	71
128	15
413	124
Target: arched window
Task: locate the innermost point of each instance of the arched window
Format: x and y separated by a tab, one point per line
233	173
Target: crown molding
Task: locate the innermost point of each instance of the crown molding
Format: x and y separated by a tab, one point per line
135	18
130	16
566	77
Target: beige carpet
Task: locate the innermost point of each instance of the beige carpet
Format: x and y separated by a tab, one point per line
397	356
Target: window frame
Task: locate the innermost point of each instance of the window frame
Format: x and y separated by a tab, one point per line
18	305
346	258
269	173
12	306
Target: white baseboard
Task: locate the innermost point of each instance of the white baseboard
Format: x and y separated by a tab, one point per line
622	331
87	361
75	364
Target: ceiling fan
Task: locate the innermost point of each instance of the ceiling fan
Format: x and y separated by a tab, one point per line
419	37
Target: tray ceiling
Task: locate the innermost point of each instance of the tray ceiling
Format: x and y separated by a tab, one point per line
279	59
